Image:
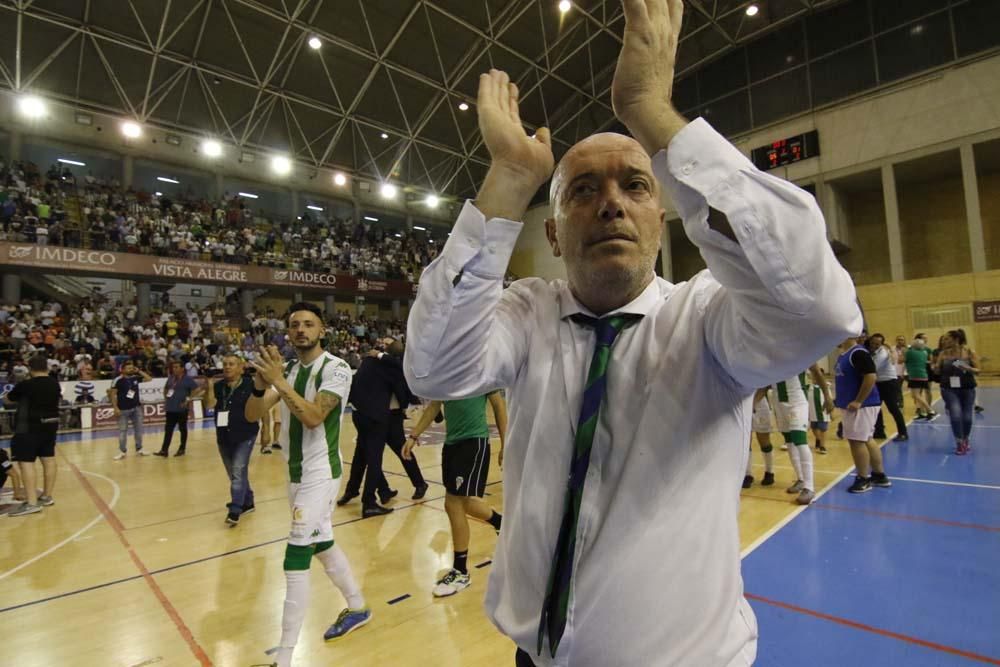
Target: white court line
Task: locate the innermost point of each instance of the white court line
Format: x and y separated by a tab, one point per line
935	481
34	559
826	472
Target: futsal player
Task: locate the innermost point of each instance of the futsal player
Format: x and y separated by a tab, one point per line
761	427
820	407
311	390
792	411
858	397
465	465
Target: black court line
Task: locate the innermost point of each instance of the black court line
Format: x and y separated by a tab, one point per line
483	564
195	516
283	538
399	599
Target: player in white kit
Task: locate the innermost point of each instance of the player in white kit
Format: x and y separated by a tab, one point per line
312	390
761	425
820	407
792	411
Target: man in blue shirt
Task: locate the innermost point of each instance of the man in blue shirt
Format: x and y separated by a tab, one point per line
179	391
124	395
233	433
858	397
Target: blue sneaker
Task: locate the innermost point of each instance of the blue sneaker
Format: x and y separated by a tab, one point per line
348	621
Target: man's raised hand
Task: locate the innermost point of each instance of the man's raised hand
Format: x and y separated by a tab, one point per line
520	164
643	83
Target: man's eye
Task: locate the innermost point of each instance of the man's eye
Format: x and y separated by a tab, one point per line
638	184
583	189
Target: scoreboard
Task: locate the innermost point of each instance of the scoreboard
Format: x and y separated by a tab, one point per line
786	151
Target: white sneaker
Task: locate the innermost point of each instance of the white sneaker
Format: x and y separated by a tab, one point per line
25	508
120	455
797	487
451	583
142	452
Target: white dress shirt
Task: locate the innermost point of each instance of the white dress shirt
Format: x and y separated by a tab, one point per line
657	562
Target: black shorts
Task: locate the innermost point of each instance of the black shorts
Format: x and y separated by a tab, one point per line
27	447
918	384
465	464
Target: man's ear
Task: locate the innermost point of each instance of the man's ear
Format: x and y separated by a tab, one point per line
550	234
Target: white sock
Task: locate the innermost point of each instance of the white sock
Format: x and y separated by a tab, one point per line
793	456
750	462
338	568
805	465
769	461
296	603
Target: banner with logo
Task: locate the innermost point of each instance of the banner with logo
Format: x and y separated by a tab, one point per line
152	413
57	259
986	311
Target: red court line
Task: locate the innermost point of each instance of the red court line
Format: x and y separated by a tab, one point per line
116	524
910	517
877	631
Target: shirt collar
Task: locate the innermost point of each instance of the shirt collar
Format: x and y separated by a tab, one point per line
641	305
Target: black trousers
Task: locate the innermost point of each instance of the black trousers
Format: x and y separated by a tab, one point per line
522	659
367	462
890	394
180	420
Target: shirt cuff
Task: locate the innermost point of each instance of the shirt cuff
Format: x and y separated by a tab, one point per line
482	248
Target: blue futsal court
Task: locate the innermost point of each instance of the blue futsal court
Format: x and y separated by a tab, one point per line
902	576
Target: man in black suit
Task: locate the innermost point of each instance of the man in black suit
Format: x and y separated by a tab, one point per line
380	396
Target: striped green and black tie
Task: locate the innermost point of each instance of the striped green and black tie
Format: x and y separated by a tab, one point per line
556	605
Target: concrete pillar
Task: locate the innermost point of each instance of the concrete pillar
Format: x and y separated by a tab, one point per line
15	145
297	297
11	288
295	203
395	309
220	188
666	259
246	301
143	295
972	211
127	167
892	223
331	306
409	222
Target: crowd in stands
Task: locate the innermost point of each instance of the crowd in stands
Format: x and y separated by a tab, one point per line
91	341
33	210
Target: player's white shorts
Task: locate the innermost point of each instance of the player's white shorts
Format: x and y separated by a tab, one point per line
312	511
859	425
816	411
761	422
792	416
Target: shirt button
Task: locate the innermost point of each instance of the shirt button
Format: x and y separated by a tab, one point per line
492	249
686	170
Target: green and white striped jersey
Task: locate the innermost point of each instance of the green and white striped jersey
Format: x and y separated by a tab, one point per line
792	390
314	453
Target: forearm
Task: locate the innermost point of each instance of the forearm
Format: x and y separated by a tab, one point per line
307	412
426	418
465	333
866	388
256	408
506	193
210	400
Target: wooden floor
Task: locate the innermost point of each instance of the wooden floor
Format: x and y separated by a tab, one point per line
134	565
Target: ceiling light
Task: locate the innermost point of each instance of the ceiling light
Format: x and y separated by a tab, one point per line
917	29
314	208
248	195
211	148
131	130
564	6
173	140
371	219
398	235
463	107
84	119
158	194
384	135
168	180
432	201
32	107
339	179
752	10
247	157
315	43
75	163
419	228
388	191
281	165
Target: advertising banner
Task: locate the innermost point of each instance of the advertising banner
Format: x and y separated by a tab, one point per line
57	259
